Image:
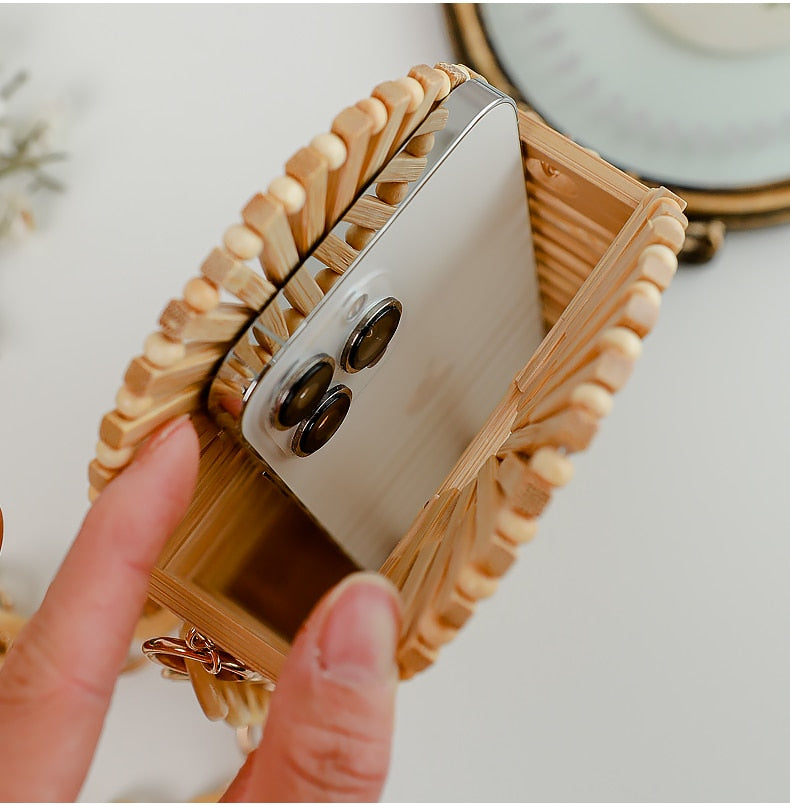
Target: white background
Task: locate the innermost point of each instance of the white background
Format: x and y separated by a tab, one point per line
640	649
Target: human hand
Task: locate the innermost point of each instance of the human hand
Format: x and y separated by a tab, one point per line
330	723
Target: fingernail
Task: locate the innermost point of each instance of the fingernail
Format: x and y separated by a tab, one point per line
159	437
359	635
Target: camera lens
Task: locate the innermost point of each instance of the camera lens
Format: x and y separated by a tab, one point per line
323	423
372	335
304	391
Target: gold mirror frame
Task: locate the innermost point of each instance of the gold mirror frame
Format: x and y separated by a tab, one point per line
710	210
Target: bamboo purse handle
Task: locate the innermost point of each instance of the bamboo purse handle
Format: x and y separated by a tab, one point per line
605	248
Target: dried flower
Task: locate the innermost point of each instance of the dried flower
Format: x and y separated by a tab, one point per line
26	150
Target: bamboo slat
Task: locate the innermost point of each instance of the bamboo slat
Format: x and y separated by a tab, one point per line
403	168
370	212
432	82
118	432
489	552
395	98
302	292
435	122
610	369
354	128
335	253
181	322
234	276
450	605
145	379
526	492
267	217
571	429
310	168
273	321
99	476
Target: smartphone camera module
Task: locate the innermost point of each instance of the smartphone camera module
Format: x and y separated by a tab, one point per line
303	392
373	333
319	428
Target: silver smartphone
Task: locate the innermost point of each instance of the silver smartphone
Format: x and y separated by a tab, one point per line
364	409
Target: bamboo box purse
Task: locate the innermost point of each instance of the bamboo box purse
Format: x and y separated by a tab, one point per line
388	362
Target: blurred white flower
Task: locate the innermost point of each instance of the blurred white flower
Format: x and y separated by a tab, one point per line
28	146
6	140
16	213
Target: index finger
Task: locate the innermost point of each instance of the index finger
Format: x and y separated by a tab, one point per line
58	678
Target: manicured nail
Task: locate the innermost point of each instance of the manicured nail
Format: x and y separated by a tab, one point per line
160	437
359	635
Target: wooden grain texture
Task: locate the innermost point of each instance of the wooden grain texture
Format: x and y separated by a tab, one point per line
403	168
526	492
592	186
180	322
489	552
449	604
572	429
396	99
267	217
424	549
335	253
144	378
309	167
597	302
354	128
118	432
273	322
370	212
431	80
302	292
398	565
234	276
610	369
585	243
435	122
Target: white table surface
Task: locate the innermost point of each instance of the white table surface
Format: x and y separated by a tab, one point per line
640	650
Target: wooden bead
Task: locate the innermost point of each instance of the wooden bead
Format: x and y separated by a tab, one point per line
131	405
658	264
290	193
93	494
326	279
201	295
415	91
161	351
514	527
421	145
669	230
113	458
444	90
358	237
594	398
332	148
242	242
623	340
457	74
553	467
293	319
376	111
393	193
474	584
434	632
648	290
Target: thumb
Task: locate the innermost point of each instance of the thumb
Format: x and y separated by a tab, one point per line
330	725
